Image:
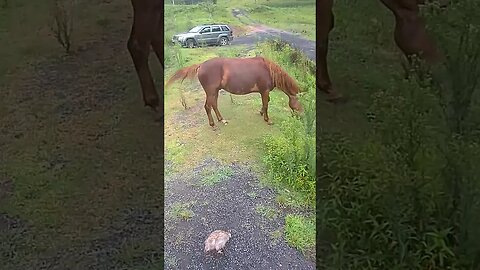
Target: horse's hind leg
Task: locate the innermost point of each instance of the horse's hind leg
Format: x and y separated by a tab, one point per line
217	112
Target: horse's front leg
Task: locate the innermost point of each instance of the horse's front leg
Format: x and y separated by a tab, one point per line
139	47
217	112
264	111
261	109
325	24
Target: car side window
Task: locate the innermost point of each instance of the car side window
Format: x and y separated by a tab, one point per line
216	29
205	30
224	28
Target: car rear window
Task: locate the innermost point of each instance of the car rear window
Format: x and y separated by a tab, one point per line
224	28
216	29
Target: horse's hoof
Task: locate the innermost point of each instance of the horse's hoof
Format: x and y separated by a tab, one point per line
214	128
261	113
225	122
269	123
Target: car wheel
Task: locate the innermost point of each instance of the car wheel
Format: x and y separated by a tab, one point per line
190	43
223	41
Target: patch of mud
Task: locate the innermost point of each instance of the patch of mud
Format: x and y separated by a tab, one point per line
239	31
227	205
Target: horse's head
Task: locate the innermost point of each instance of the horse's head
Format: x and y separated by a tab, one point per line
294	103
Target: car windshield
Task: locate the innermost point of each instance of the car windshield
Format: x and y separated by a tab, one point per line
195	29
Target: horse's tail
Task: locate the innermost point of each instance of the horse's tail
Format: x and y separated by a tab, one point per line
189	72
280	77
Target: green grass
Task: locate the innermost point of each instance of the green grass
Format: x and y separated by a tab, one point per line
276	235
182	210
291	198
215	176
293	16
297	17
175	153
300	232
266	212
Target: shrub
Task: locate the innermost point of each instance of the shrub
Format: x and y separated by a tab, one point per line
290	156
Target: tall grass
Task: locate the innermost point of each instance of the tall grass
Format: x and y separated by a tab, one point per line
409	196
290	157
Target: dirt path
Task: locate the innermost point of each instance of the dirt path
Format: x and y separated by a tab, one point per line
258	32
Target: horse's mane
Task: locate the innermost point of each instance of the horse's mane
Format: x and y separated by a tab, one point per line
281	79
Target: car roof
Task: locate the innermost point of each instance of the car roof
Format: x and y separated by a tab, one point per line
214	24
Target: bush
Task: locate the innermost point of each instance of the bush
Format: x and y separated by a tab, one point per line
290	156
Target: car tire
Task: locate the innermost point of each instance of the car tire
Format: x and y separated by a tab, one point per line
190	43
223	41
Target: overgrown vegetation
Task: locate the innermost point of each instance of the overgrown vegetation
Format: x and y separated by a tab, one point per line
408	196
291	155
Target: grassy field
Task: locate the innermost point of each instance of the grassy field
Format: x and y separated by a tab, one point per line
297	17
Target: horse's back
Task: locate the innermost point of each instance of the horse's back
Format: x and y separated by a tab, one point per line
236	75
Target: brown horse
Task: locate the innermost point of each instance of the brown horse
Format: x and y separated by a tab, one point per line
240	76
410	36
147	31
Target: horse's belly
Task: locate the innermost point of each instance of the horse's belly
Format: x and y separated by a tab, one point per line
241	84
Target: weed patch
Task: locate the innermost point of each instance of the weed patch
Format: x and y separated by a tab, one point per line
300	232
290	156
182	210
266	212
